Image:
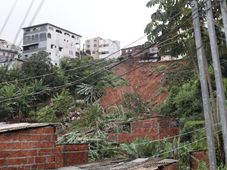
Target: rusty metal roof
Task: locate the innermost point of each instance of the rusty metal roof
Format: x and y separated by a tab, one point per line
5	127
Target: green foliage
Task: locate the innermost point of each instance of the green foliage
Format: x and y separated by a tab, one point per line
179	75
60	106
135	103
37	64
89	93
39	76
183	102
141	148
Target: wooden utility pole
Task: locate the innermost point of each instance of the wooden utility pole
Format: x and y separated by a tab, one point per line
217	72
204	87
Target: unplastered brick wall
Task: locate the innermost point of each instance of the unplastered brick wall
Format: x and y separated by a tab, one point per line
35	149
154	128
29	148
199	159
73	154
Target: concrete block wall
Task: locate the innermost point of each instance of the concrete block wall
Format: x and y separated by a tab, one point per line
36	149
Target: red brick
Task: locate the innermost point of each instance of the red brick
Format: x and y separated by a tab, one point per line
44	152
17	161
18	153
30	160
50	159
41	160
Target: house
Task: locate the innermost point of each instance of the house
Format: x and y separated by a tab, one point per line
33	146
100	48
154	128
147	52
58	42
8	53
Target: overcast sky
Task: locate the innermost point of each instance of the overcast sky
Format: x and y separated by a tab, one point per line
122	20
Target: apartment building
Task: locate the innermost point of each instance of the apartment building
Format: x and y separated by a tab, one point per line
8	53
58	42
100	48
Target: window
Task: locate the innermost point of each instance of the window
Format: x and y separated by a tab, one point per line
26	56
60	48
33	37
27	30
51	28
36	36
88	46
73	36
52	46
93	52
49	35
58	31
105	45
66	34
27	38
4	54
42	36
95	45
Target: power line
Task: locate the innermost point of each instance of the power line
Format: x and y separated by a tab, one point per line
73	69
23	21
71	83
8	16
34	16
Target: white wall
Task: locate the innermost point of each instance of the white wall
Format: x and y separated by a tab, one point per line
113	49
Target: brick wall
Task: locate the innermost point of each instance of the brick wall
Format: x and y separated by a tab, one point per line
198	157
33	149
153	128
73	154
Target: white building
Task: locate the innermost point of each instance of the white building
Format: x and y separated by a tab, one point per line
100	48
8	53
56	41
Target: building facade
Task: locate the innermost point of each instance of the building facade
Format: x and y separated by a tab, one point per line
147	52
8	53
57	41
100	48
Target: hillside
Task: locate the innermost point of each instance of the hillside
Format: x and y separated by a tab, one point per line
147	80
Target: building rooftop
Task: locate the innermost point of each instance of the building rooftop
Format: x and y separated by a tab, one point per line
137	164
33	26
5	127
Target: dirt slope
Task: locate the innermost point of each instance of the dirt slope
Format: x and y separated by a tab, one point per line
146	81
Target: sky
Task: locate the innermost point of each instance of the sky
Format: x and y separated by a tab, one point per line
123	20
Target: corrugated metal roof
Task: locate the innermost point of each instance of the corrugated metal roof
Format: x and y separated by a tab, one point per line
4	127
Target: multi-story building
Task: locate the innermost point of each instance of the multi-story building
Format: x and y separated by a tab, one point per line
100	48
57	41
8	53
148	52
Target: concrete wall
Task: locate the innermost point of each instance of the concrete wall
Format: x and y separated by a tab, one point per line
57	42
36	149
110	48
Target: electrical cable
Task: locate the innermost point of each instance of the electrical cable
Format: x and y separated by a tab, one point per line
8	17
23	21
34	17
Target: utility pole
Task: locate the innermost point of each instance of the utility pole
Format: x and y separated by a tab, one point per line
223	6
217	73
204	88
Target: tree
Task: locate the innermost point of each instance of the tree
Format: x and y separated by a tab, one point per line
38	64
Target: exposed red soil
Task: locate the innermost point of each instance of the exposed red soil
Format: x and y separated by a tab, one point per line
146	80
